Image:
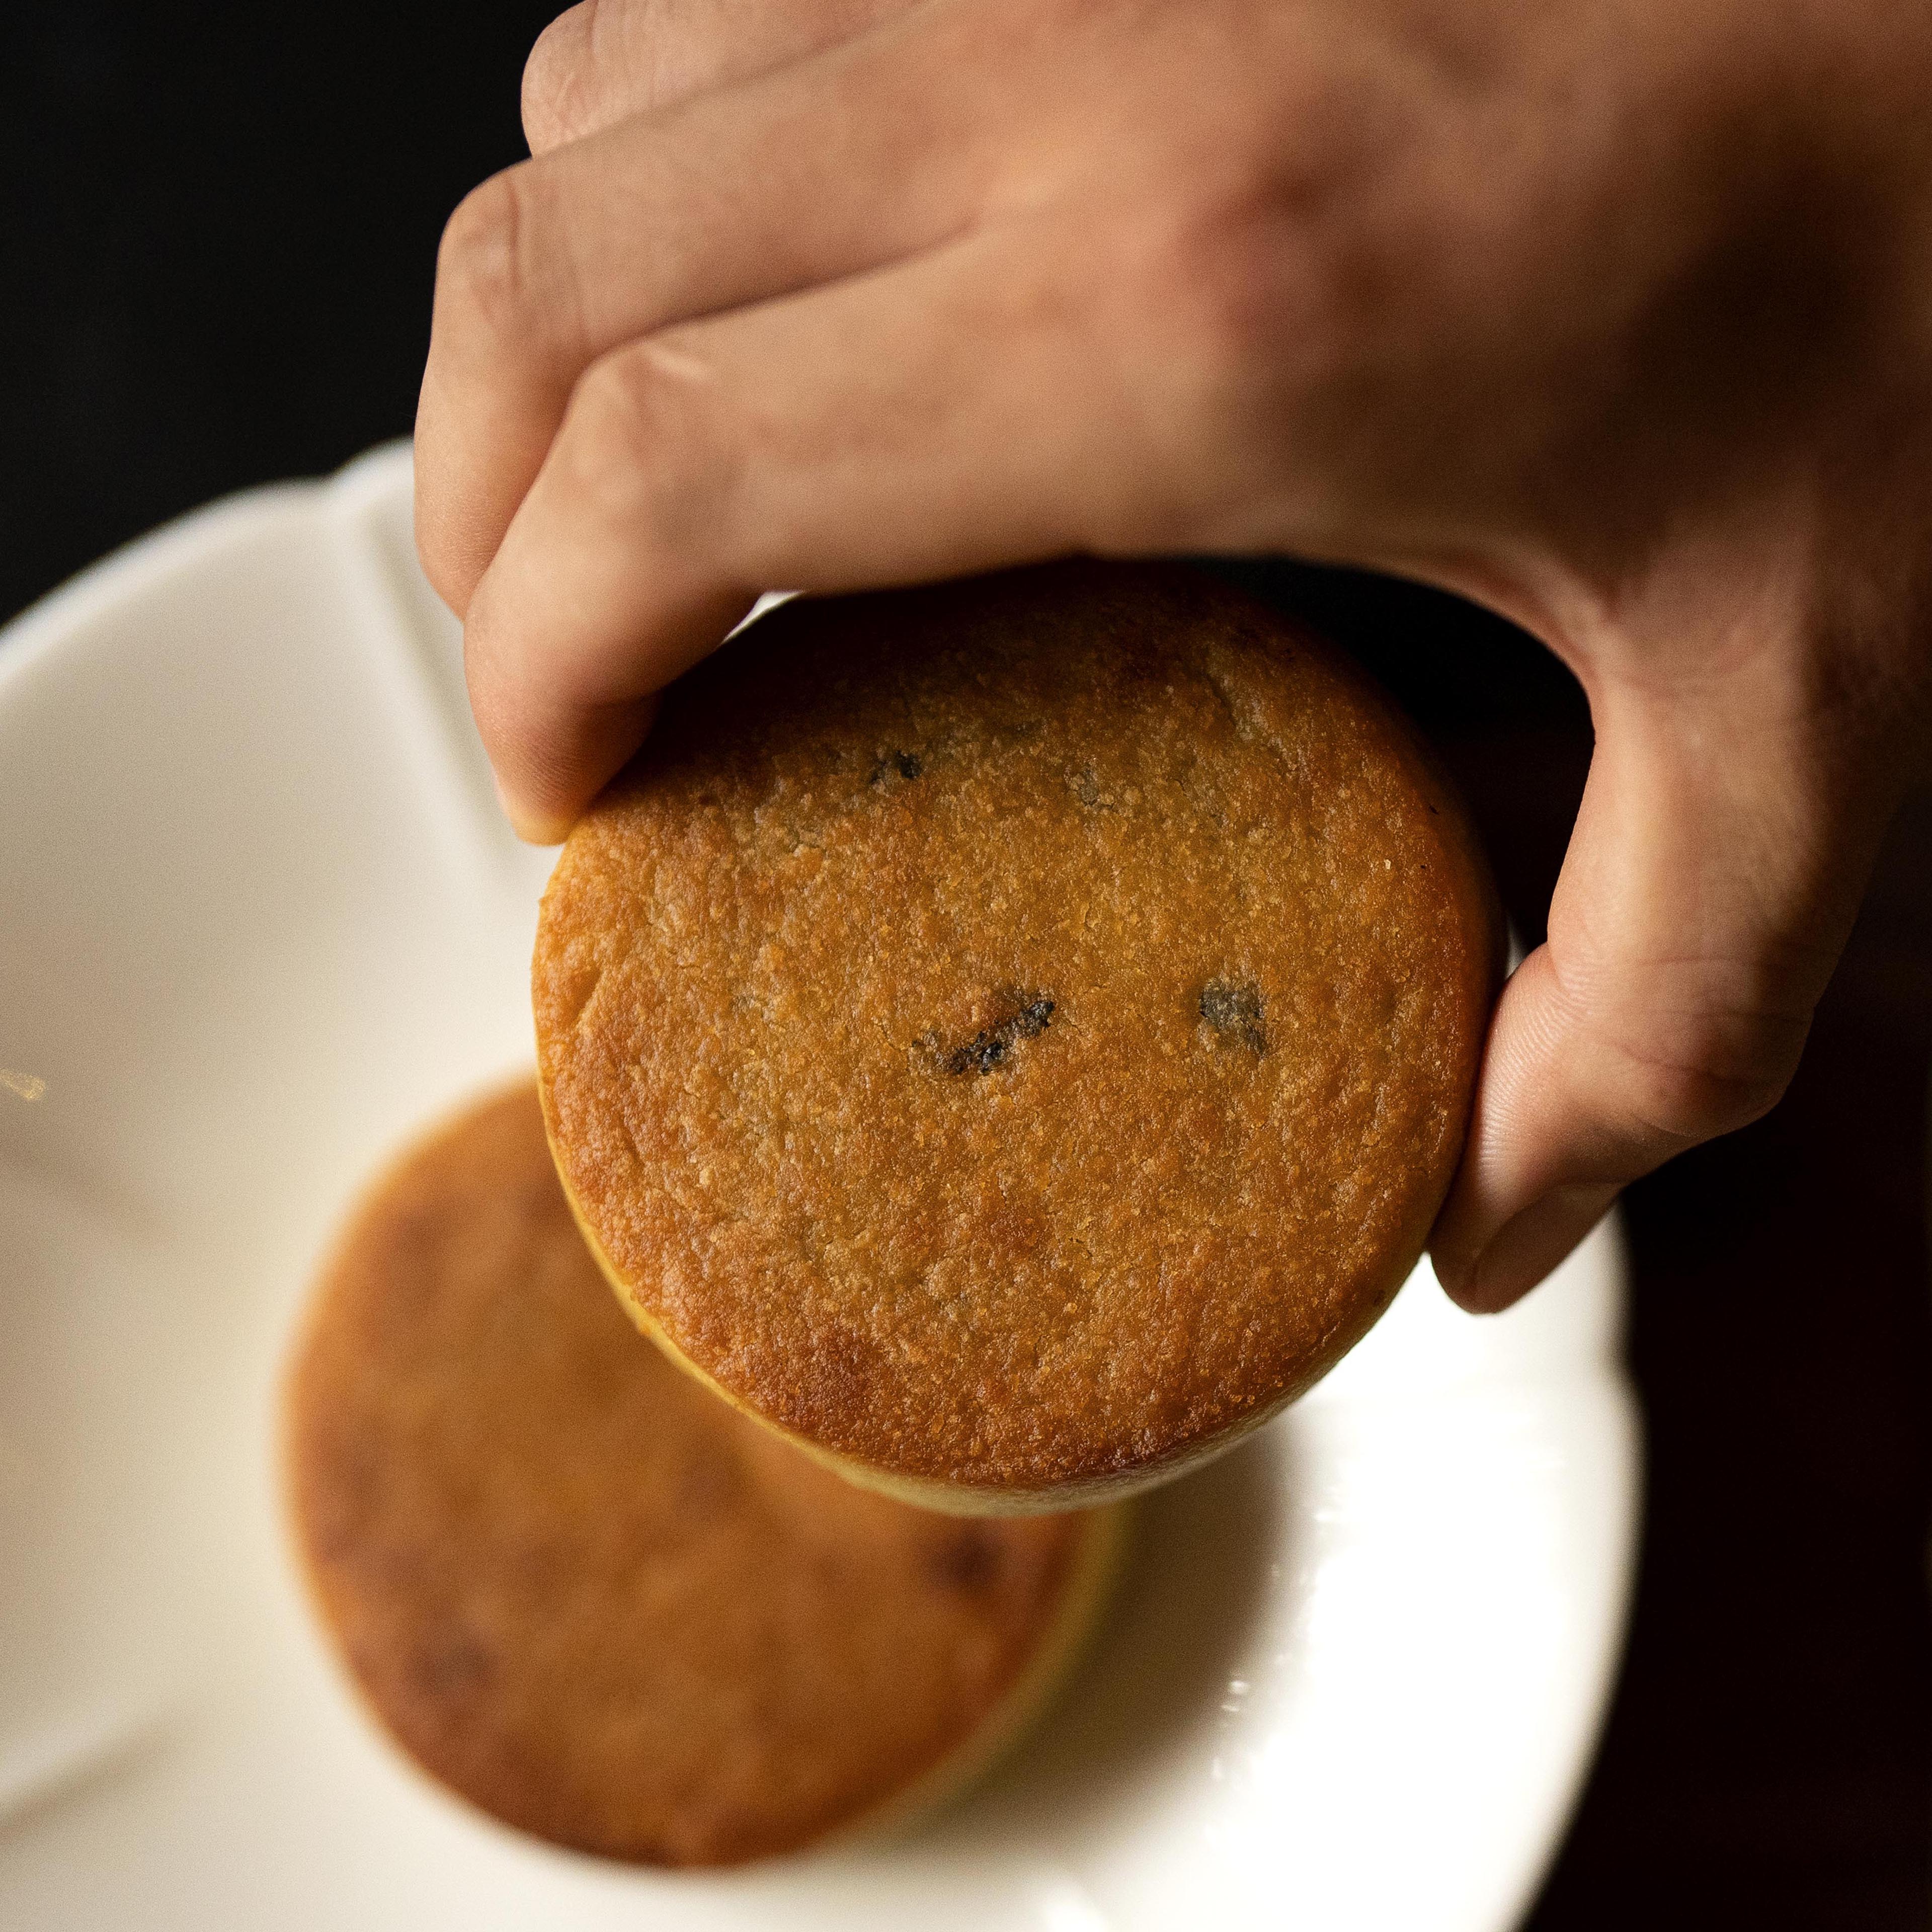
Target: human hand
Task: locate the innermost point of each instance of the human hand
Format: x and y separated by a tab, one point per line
1618	318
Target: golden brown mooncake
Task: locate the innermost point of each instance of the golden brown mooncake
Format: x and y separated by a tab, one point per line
588	1597
1013	1036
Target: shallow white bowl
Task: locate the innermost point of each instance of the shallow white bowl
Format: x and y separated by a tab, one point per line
259	918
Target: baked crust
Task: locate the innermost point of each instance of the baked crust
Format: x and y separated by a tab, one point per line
1013	1036
587	1596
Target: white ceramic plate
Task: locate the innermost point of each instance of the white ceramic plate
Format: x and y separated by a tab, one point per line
259	918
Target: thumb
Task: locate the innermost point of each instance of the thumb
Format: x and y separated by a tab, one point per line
1718	860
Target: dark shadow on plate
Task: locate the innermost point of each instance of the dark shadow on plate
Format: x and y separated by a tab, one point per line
1203	1553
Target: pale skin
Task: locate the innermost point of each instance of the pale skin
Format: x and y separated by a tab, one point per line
1614	315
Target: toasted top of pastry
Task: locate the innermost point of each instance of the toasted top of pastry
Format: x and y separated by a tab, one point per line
1013	1035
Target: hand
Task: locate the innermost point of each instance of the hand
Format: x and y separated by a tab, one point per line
1615	317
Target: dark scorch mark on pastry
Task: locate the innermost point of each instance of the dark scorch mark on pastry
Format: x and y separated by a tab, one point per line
992	1046
906	764
1233	1008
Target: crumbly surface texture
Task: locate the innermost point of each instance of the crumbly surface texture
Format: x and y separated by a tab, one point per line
1015	1032
582	1591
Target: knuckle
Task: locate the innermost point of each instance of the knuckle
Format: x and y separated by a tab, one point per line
1196	253
1276	248
488	289
646	454
1302	269
1691	1068
557	106
1699	1098
622	436
1272	308
1208	313
1197	274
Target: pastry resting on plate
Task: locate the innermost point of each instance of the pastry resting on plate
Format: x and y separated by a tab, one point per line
584	1594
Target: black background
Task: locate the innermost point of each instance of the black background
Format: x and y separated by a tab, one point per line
216	241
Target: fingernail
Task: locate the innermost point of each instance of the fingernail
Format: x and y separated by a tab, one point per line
531	827
1530	1244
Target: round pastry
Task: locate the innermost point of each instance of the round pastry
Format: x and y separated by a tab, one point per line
1013	1036
589	1597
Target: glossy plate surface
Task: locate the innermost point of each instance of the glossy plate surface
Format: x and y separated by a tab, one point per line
260	919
